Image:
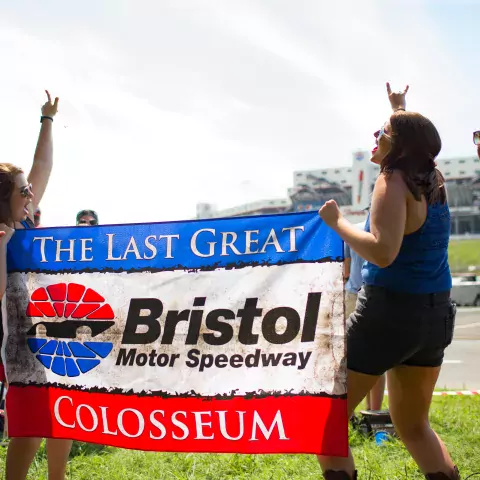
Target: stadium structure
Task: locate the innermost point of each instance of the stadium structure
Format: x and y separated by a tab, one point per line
352	186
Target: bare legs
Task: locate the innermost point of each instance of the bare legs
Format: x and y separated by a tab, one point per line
21	452
58	451
375	396
358	385
410	394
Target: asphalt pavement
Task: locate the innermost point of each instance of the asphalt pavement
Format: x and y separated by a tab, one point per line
461	368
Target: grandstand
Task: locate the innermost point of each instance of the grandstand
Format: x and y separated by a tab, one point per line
259	207
351	187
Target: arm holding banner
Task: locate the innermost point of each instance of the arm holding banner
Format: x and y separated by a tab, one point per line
5	235
387	222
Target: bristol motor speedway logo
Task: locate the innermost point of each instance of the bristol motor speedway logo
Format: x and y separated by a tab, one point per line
79	306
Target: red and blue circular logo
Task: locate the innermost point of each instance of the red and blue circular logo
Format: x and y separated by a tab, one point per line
78	306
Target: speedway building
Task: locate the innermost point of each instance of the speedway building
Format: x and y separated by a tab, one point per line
351	188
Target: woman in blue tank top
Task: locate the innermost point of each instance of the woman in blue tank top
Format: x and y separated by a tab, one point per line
18	199
404	318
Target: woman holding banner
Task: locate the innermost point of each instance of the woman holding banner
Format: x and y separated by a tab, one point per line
19	198
404	318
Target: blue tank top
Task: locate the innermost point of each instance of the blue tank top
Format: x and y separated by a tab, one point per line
422	262
27	223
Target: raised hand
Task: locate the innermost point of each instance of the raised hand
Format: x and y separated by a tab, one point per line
50	109
397	99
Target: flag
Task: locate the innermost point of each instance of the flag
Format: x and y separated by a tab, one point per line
222	335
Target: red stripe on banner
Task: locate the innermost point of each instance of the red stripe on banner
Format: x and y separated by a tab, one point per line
297	424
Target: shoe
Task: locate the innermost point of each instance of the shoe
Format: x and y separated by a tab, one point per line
441	475
338	475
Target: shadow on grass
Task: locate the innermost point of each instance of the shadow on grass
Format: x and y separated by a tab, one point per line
89	449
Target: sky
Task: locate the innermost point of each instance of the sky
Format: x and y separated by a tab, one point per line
165	104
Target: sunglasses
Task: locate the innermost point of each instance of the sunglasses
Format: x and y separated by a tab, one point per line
476	137
26	190
381	133
87	222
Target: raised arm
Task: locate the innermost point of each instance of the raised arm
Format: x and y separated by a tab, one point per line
43	158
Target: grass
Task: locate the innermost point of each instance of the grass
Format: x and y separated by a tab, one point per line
456	419
463	253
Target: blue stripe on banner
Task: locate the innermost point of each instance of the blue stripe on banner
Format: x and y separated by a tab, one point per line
196	244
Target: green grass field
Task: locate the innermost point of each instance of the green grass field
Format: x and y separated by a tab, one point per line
456	419
463	253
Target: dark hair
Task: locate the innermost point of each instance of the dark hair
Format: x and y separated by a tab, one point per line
415	145
90	213
8	172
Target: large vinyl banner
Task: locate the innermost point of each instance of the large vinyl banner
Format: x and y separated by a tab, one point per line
200	336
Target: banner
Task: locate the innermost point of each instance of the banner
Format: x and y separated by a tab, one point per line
223	335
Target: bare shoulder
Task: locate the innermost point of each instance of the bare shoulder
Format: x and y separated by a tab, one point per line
393	182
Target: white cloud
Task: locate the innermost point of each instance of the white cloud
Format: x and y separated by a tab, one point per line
165	104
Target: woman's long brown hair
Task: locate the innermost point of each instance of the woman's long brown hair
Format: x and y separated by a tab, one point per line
415	145
8	172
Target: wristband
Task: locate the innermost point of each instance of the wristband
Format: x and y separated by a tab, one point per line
43	117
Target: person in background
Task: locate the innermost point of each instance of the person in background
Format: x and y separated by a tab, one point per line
476	141
404	318
37	217
86	218
353	275
353	279
19	197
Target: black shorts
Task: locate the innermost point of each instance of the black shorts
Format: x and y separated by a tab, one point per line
390	328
